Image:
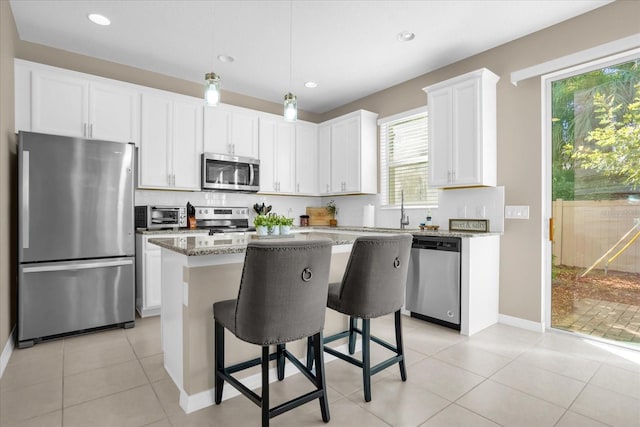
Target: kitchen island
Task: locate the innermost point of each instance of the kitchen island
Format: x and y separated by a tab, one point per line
200	270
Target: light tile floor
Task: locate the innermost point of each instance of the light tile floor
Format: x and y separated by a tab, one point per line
502	376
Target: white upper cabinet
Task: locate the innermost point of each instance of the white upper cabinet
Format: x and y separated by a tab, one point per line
354	156
231	130
324	159
171	141
67	103
113	113
306	161
462	130
277	156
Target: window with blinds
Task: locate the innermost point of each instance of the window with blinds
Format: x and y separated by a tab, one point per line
404	160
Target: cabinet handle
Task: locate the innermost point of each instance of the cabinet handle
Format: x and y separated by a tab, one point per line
297	187
169	179
91	130
327	188
174	180
84	129
233	149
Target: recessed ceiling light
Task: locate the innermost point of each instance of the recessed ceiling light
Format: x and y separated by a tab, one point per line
96	18
311	85
226	58
405	36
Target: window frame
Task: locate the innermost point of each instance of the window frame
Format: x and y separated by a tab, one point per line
385	165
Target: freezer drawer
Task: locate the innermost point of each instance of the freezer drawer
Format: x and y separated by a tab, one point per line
63	297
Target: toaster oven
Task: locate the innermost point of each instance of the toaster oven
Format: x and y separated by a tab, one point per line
158	217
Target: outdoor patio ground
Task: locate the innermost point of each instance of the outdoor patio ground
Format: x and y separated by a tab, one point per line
601	305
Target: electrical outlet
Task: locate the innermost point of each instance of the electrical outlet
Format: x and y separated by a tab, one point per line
516	212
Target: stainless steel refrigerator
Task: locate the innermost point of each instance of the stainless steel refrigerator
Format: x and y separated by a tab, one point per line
76	245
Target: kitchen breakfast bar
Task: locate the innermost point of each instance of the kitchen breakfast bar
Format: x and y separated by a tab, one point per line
198	271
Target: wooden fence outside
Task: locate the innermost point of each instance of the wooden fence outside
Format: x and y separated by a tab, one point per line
586	230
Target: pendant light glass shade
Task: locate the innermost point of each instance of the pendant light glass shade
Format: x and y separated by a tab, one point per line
290	107
212	89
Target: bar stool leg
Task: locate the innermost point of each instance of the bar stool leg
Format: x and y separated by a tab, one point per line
366	358
318	351
265	386
353	324
219	358
310	353
280	363
399	347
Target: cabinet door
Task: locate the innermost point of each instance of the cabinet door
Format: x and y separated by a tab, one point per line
153	279
306	149
465	146
216	131
113	113
59	104
268	178
285	157
244	134
276	156
440	134
155	138
345	156
186	144
324	159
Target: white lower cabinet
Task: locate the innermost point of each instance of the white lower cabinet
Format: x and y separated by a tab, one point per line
149	272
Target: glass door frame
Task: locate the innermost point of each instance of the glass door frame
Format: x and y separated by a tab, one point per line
547	204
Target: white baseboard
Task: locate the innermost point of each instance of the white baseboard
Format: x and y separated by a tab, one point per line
195	402
521	323
6	352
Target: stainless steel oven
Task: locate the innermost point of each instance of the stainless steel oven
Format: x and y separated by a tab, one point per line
157	217
230	173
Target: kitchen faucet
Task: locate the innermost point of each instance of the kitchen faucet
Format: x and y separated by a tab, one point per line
403	221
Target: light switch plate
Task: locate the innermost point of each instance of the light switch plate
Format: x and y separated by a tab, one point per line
516	212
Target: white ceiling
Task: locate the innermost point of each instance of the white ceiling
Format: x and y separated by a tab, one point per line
348	47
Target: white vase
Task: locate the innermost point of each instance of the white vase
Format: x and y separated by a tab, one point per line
285	229
261	230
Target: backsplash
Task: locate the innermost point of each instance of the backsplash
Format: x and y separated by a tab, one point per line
485	203
290	206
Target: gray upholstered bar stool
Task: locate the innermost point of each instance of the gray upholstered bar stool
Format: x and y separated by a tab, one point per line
282	298
372	286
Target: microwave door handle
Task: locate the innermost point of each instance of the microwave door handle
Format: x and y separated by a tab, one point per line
251	175
25	200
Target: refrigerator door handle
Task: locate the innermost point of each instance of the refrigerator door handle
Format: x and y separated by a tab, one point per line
25	199
76	266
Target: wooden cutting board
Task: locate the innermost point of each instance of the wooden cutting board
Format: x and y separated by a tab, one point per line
318	216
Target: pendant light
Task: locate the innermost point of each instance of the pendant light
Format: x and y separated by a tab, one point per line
212	80
212	89
290	100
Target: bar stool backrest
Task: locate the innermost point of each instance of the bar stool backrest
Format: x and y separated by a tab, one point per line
283	291
375	278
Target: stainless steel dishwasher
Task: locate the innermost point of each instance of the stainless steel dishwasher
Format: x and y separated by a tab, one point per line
433	280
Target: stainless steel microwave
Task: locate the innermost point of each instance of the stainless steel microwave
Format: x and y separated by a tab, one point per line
230	173
155	217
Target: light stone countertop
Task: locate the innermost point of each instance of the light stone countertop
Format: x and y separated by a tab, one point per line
231	243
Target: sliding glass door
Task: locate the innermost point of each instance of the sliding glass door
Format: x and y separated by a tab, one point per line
595	191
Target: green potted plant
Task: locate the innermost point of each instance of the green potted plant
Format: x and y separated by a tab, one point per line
333	211
273	225
285	224
261	222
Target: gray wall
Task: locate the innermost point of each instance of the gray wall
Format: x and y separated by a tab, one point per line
8	236
519	134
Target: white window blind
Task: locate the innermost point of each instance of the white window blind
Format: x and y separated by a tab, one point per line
404	160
